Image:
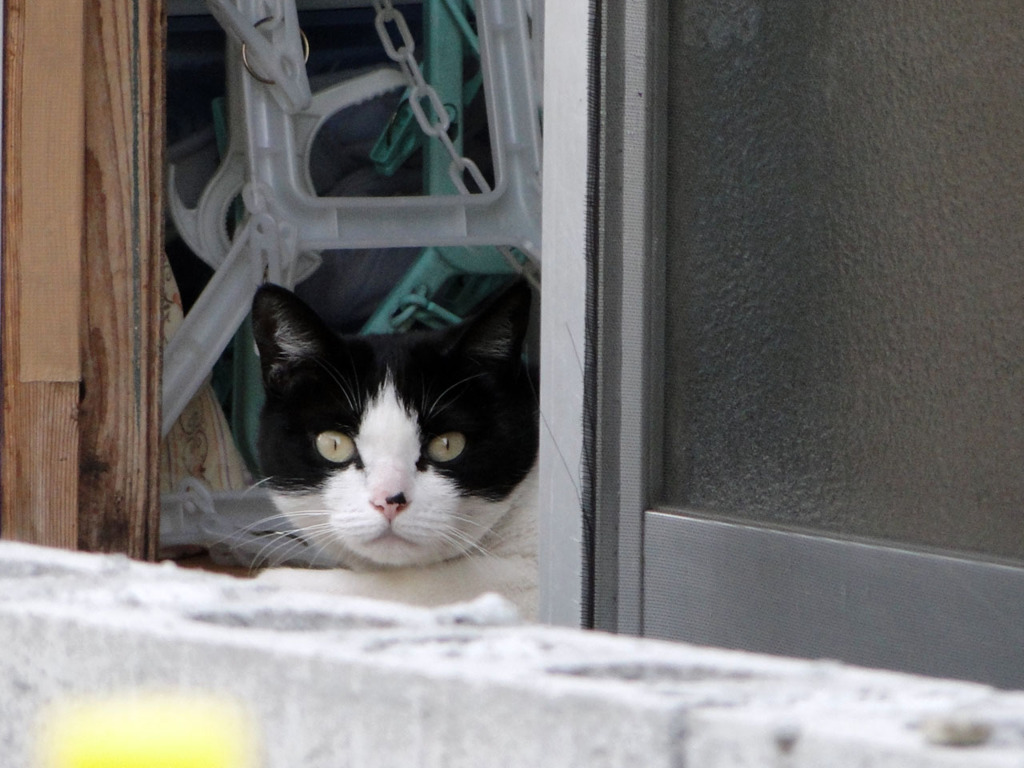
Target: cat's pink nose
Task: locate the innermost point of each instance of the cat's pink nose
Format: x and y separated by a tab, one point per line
391	506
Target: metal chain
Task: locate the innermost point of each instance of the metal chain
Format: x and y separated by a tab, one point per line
420	91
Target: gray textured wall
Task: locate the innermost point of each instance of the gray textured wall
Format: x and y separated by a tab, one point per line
845	333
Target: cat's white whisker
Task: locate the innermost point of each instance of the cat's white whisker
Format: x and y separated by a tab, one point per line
432	411
258	484
561	456
262	522
466	543
249	531
278	549
284	547
269	553
338	380
360	404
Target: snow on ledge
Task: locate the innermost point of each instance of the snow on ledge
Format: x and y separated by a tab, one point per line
334	682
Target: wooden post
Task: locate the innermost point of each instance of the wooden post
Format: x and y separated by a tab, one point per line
82	238
124	111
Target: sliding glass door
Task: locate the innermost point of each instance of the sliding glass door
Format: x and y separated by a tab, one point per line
809	327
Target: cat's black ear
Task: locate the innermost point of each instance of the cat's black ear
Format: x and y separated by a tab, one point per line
497	331
287	332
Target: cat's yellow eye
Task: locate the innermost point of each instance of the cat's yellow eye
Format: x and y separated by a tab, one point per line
446	447
336	446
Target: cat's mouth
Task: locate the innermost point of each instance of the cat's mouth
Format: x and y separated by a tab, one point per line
390	541
390	536
391	549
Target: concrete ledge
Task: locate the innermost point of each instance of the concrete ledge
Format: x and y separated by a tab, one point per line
335	682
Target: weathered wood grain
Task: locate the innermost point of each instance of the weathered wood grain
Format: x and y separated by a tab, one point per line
118	504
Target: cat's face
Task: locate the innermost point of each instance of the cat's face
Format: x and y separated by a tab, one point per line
394	450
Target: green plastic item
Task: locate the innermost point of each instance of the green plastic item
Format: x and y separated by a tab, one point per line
400	140
443	64
442	288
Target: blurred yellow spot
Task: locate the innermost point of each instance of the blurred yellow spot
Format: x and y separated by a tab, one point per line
147	731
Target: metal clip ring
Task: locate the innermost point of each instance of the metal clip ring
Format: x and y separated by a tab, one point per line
248	66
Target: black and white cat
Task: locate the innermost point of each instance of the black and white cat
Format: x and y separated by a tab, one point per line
406	462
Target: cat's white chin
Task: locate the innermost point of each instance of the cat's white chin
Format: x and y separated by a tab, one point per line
391	550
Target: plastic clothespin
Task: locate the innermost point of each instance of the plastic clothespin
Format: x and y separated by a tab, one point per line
147	731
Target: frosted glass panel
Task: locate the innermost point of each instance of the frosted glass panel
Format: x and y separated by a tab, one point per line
845	314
